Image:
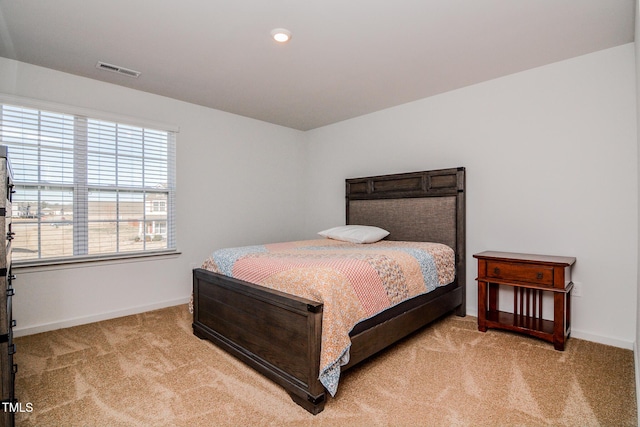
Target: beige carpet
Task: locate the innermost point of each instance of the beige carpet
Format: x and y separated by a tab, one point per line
150	370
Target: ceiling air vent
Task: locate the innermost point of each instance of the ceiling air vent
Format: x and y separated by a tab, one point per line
117	69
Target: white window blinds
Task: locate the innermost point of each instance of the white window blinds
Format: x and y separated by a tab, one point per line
88	187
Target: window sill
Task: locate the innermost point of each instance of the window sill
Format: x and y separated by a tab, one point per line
91	261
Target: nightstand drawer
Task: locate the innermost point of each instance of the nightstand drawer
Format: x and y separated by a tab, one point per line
520	272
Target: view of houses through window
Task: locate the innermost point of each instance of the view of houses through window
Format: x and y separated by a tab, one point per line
135	222
87	187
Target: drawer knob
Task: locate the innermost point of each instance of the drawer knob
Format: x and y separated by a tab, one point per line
539	276
496	270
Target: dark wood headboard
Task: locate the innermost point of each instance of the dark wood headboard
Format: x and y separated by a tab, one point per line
426	206
419	206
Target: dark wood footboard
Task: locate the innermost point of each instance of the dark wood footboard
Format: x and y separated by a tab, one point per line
277	334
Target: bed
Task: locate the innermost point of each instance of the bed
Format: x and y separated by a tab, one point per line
280	334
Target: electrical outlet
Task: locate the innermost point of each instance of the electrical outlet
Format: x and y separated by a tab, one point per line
577	289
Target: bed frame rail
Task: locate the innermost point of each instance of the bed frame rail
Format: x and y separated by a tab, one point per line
371	341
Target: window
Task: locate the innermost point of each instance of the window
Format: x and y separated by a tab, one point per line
86	187
159	206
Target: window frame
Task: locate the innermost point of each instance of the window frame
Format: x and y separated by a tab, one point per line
173	130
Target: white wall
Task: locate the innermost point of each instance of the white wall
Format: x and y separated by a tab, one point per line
237	183
551	159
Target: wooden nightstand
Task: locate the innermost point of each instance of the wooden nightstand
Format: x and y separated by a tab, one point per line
530	276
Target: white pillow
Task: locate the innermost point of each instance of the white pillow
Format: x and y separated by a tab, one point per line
355	233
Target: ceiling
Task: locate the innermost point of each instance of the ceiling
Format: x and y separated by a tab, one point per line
346	57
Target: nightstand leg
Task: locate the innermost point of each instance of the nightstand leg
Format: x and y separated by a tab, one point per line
559	321
482	306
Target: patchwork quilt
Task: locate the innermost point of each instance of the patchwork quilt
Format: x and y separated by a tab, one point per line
353	281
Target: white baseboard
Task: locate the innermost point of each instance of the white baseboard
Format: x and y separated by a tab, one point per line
615	342
45	327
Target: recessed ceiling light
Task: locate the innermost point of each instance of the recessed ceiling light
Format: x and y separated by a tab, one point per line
281	35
